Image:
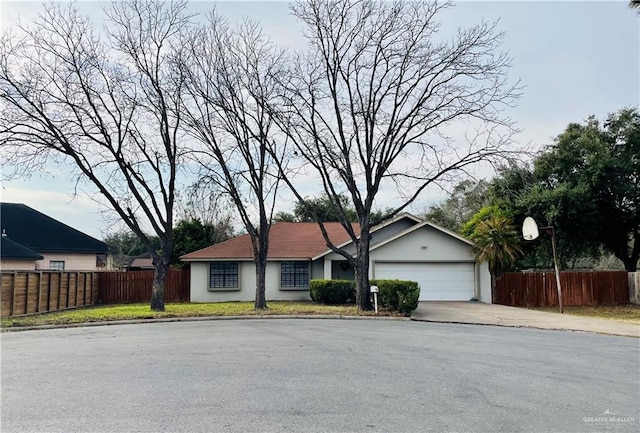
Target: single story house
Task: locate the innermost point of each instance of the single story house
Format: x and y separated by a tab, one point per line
34	241
405	248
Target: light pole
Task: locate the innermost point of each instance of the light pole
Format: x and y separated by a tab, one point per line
530	232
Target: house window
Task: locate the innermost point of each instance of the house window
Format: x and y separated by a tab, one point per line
294	274
223	275
56	265
101	260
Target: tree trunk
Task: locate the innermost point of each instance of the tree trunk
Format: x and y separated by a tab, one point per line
161	265
261	269
363	291
630	264
631	260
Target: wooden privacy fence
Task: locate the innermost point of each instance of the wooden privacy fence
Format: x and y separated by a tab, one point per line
634	287
30	292
538	289
135	286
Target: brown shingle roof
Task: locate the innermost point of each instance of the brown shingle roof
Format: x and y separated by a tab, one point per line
286	241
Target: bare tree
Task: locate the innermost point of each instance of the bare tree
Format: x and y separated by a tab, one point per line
209	205
231	81
104	104
369	104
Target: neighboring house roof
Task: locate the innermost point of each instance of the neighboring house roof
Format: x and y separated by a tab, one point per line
286	241
10	250
39	232
143	261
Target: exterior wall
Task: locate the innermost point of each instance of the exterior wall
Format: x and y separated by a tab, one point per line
426	245
483	287
381	234
317	270
338	273
246	291
200	291
17	265
73	262
391	230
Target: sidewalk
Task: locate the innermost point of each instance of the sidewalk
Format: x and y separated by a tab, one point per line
478	313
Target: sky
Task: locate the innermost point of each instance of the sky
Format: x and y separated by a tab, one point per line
574	59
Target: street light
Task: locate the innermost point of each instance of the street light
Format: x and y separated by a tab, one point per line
530	232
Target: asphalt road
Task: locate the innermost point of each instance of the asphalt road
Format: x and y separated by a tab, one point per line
317	376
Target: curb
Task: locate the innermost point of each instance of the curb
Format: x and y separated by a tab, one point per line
584	331
200	319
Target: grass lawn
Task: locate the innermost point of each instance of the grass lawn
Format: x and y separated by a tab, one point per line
142	311
629	313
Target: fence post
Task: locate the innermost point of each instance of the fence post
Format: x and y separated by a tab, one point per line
39	290
84	288
66	305
59	290
75	297
26	295
49	292
13	294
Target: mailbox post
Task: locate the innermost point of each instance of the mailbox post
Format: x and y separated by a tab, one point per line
374	291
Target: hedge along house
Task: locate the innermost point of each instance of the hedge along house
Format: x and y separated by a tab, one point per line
405	248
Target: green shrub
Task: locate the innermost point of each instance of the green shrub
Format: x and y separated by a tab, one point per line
398	295
332	291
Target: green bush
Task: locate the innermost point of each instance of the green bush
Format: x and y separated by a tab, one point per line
332	291
398	295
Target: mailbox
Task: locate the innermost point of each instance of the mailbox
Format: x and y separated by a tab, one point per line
374	290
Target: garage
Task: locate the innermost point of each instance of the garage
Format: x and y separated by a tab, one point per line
438	281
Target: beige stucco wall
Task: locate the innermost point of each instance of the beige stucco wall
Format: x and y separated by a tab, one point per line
17	265
246	291
72	262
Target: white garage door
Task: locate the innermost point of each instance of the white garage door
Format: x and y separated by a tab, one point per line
438	281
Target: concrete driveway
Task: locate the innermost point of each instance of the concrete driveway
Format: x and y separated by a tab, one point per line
478	313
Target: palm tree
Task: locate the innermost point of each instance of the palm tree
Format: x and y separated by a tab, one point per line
498	243
635	4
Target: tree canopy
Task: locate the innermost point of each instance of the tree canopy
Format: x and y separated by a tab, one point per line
466	199
323	208
104	105
367	104
192	234
587	185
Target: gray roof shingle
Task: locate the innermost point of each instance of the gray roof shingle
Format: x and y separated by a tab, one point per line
14	251
39	232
